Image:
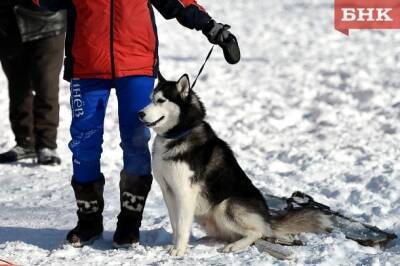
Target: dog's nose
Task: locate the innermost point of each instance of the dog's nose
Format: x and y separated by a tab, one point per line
141	114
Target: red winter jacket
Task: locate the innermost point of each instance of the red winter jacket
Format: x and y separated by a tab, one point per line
118	38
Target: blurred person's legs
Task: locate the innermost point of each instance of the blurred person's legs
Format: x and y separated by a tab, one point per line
32	70
46	56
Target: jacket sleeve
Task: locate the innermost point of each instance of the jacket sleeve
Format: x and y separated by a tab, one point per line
53	5
187	12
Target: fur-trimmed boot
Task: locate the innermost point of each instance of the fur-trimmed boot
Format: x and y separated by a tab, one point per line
90	202
133	195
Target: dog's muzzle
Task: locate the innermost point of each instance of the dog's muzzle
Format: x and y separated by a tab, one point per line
142	115
152	124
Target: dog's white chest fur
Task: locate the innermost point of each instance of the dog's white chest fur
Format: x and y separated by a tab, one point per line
172	173
176	176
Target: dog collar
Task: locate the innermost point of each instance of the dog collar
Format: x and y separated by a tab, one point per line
180	135
177	136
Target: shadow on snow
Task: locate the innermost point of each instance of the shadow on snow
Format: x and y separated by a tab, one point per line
51	239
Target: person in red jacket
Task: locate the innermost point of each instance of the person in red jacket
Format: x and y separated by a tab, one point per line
113	44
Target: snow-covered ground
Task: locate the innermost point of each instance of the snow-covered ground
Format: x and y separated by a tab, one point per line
306	109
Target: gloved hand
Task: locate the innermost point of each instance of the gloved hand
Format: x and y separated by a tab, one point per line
219	34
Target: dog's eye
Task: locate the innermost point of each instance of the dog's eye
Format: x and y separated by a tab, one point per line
160	100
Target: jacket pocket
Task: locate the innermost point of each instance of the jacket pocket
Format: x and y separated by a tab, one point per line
34	24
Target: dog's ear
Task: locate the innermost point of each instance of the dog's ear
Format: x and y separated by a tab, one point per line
160	78
183	86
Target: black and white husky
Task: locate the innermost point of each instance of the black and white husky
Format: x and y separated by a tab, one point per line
201	180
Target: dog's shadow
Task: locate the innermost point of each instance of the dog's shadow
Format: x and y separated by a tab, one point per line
52	239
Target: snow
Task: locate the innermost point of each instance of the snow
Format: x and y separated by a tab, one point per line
307	109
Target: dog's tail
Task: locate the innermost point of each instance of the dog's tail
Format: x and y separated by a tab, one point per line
301	221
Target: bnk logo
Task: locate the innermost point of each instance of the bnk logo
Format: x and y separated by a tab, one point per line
366	14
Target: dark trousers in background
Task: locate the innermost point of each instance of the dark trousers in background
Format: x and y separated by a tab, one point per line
33	70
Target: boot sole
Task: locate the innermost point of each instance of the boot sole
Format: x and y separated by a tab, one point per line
50	162
25	157
124	246
86	243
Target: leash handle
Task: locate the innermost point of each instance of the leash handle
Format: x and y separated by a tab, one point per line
202	67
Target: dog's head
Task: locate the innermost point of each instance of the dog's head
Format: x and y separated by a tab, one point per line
174	107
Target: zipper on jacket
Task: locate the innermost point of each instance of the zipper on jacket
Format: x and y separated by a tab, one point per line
153	22
112	39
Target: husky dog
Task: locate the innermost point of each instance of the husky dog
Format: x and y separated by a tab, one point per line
201	180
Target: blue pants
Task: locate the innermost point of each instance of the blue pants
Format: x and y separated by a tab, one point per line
89	99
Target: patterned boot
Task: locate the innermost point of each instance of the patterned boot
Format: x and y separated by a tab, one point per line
89	198
133	194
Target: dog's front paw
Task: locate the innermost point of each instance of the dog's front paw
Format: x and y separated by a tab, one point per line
175	251
232	248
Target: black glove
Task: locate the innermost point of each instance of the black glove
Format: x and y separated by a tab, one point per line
218	33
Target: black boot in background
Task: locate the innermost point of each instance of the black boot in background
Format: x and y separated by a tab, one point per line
17	153
46	156
89	199
133	195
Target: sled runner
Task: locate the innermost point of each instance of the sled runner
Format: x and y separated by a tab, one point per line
364	234
5	263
